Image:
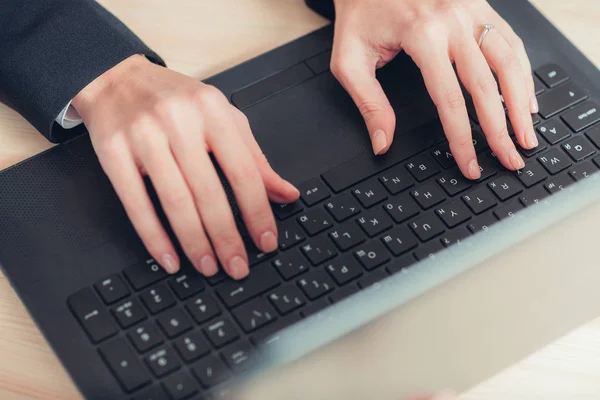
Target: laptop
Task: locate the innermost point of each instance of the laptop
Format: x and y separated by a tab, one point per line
381	256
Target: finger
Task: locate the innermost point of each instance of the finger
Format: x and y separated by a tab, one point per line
505	62
478	79
278	189
208	193
516	43
245	179
442	85
355	70
155	155
120	167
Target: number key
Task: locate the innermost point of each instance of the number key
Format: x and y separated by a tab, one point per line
145	336
157	298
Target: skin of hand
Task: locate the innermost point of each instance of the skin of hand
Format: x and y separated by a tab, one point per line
144	119
437	34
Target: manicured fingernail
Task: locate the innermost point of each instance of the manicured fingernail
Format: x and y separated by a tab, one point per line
168	262
268	242
293	188
516	160
238	268
533	140
379	141
534	105
208	266
474	170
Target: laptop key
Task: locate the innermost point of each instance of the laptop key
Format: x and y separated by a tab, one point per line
221	332
552	75
157	298
344	269
532	174
146	336
124	364
316	284
319	250
400	264
254	314
555	161
370	193
372	255
401	208
210	371
144	274
505	187
187	285
482	223
315	307
374	222
479	142
559	99
583	170
180	386
533	196
191	346
163	361
342	207
396	180
579	148
428	250
422	167
313	191
315	221
112	289
284	211
347	236
428	227
582	116
488	167
443	155
558	184
373	278
237	354
428	196
287	299
290	234
455	236
508	210
453	214
174	322
290	264
594	135
217	278
539	86
400	240
129	313
202	308
531	152
554	131
342	293
480	200
453	182
154	392
91	314
262	278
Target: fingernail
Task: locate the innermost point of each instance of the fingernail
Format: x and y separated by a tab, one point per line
533	140
268	242
534	105
379	141
208	266
238	268
168	262
516	160
293	188
474	170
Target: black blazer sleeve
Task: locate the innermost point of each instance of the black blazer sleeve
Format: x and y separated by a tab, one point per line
323	7
51	49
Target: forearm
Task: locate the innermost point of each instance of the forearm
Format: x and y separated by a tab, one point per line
51	49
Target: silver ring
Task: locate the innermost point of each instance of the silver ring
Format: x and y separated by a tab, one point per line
486	29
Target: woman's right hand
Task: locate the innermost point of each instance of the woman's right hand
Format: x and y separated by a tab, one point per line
146	119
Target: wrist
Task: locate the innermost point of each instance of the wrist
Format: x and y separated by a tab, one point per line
94	90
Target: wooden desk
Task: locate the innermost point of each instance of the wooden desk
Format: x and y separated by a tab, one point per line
184	33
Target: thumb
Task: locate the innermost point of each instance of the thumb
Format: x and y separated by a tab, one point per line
355	70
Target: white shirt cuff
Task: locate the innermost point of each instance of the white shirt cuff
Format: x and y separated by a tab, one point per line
69	117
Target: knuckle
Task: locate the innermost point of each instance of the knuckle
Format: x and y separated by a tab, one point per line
510	62
261	218
500	135
461	142
227	240
454	100
369	109
175	199
243	176
207	95
487	85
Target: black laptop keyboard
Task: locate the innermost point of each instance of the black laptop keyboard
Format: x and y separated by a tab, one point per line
181	337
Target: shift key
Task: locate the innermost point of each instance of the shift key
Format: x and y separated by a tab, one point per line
261	279
560	99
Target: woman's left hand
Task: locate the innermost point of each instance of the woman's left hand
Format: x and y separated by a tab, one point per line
436	34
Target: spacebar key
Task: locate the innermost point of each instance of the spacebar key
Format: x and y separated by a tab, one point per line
261	279
365	165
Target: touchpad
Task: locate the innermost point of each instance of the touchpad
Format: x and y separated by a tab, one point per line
312	127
